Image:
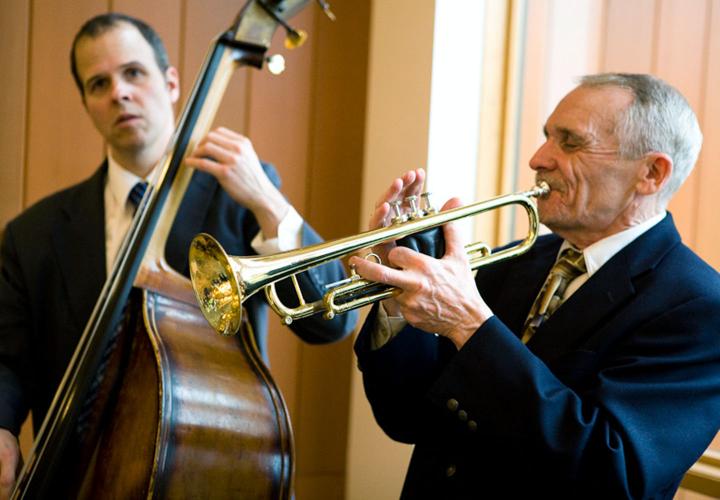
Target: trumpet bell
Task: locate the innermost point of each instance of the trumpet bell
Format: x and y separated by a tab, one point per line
213	278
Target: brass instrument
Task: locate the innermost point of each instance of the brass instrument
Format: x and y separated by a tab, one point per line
222	283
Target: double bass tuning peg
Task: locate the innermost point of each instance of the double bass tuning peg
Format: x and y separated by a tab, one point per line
294	38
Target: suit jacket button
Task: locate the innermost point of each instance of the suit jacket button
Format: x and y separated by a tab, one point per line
472	425
462	415
452	404
450	471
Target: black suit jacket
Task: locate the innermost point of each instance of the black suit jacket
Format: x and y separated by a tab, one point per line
53	268
616	395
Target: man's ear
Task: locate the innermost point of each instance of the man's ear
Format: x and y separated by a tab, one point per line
655	172
172	80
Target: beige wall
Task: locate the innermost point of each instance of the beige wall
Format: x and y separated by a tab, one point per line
396	139
309	122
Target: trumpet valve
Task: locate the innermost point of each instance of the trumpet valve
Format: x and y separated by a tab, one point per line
428	209
414	212
399	216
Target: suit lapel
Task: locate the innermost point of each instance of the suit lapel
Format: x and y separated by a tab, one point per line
608	289
78	241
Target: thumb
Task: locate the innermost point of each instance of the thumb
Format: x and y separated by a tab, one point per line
454	244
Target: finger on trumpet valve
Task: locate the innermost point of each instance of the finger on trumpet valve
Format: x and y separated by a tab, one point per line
354	276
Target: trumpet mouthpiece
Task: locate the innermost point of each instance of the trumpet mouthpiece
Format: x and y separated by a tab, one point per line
541	190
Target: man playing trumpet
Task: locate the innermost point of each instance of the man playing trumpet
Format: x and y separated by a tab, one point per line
587	367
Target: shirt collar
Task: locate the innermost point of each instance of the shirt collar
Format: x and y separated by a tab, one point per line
597	254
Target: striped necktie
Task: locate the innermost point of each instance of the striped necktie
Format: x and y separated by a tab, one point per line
569	266
137	193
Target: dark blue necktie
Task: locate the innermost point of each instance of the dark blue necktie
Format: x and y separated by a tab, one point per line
137	193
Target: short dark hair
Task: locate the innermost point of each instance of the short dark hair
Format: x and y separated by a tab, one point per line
99	24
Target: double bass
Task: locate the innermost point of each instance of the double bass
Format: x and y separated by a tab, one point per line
190	414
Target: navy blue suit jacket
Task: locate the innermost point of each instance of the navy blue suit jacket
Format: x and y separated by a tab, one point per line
615	396
52	268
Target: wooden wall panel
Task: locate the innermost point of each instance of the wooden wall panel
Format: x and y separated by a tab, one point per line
628	36
279	107
335	159
164	17
203	21
681	40
707	238
55	156
14	43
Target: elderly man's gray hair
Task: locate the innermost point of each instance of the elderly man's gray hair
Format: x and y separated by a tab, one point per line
658	120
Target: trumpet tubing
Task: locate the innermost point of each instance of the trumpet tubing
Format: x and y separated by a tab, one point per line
222	282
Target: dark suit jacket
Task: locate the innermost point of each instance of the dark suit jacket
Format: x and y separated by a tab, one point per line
616	395
53	268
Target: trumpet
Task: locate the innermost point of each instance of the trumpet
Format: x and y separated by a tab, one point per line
222	282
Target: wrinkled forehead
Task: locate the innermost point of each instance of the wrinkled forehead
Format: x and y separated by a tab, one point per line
118	45
591	110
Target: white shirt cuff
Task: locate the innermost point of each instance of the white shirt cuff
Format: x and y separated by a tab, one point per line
288	237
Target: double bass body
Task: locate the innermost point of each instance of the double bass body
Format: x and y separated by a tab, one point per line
197	415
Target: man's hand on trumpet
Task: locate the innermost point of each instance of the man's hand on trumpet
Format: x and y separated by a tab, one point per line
437	295
410	184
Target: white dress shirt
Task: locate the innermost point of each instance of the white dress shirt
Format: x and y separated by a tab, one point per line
119	213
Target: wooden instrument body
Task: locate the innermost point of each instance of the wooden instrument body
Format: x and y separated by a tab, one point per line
197	415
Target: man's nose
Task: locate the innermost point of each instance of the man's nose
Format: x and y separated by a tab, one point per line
121	90
543	157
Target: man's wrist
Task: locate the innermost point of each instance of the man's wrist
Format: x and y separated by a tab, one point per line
270	214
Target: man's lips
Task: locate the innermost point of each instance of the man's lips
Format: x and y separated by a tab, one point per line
126	118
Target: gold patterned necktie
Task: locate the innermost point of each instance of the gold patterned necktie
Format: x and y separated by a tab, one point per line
569	266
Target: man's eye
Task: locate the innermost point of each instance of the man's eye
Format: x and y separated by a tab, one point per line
97	85
133	72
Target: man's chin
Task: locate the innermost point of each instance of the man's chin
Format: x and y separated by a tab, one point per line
550	215
128	141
